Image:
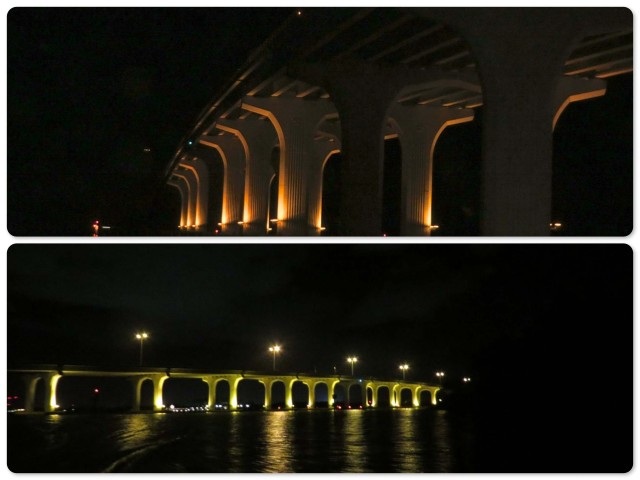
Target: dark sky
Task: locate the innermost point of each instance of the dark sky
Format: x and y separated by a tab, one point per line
90	88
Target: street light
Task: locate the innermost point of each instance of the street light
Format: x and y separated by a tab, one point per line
142	337
352	360
440	375
466	379
275	349
404	368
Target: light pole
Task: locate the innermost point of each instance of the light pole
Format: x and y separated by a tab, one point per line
440	375
142	337
275	349
352	360
404	368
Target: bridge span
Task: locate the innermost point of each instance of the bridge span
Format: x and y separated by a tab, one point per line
50	376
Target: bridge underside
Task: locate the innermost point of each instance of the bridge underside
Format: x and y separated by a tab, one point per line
343	80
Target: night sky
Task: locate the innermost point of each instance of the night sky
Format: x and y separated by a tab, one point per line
545	330
90	88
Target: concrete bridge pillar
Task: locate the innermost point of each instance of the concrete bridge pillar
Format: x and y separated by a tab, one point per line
395	395
201	173
415	393
211	397
419	128
192	191
288	393
30	384
324	148
267	393
258	140
179	184
295	122
195	203
519	85
50	386
233	391
312	393
232	154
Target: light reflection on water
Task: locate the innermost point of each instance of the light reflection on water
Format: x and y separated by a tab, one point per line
400	440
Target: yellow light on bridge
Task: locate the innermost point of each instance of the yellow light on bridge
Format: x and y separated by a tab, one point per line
404	367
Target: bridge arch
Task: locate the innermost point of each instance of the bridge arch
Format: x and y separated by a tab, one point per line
251	392
321	394
405	398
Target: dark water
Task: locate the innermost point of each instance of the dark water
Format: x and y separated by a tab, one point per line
400	440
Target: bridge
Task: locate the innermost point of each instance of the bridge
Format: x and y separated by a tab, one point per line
344	80
50	376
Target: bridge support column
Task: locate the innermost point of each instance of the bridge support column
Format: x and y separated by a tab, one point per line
30	383
419	129
519	107
136	385
288	393
295	122
179	184
158	382
201	178
258	140
211	397
232	154
312	394
332	392
395	395
324	149
233	392
415	393
192	190
50	386
374	399
267	393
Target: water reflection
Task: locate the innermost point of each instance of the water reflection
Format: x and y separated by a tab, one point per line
398	440
354	442
277	441
408	454
443	452
134	431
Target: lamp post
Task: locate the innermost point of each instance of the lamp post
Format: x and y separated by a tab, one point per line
275	349
352	360
142	337
440	375
404	368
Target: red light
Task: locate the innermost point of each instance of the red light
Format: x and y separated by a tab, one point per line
15	398
95	390
360	407
349	407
